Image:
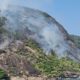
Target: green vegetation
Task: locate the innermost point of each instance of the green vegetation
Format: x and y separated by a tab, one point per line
76	40
50	65
3	75
2	22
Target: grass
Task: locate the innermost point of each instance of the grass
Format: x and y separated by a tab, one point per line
50	65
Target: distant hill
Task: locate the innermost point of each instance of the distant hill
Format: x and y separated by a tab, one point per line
32	43
76	40
19	23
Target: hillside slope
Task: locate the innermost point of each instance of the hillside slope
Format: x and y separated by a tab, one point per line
22	23
32	43
76	40
27	58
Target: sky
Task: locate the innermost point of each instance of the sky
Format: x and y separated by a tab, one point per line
66	12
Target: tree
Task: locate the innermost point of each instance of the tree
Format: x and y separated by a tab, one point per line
3	75
2	22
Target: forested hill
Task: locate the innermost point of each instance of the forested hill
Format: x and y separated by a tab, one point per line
76	40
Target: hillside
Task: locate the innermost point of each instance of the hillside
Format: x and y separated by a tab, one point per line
76	40
28	59
33	44
22	23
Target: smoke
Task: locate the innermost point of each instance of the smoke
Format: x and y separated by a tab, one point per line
4	44
38	26
4	4
46	33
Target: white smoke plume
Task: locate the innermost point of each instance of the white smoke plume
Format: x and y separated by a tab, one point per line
4	4
4	44
52	37
43	28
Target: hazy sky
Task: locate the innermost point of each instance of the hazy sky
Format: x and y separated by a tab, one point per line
66	12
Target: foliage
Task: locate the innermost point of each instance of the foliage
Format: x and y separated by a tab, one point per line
50	65
2	22
3	75
76	40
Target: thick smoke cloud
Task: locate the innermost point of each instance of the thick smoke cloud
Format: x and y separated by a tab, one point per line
4	4
44	29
